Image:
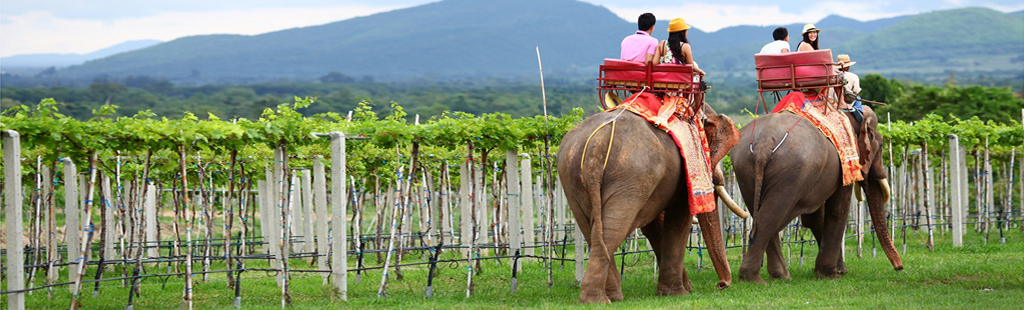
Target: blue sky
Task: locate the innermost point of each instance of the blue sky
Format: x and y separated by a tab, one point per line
76	26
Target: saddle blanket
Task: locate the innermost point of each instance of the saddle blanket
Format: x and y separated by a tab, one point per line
833	124
687	131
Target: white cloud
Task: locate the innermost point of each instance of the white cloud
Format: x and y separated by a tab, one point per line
41	32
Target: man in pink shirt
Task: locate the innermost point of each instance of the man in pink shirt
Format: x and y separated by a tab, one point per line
640	47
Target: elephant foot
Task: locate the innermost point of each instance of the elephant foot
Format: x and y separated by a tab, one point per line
683	288
842	270
594	298
784	276
615	296
832	274
756	279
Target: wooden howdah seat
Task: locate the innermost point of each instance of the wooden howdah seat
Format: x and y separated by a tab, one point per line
619	79
810	71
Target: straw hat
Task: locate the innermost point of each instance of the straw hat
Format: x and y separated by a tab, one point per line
844	61
809	28
677	25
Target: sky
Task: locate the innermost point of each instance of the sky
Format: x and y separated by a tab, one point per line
77	26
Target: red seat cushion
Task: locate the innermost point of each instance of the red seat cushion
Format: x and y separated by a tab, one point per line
624	70
811	68
621	70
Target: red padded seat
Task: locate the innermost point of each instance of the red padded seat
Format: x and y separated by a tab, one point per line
795	70
621	72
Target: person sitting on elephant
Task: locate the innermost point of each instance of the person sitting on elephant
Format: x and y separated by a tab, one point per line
810	41
781	43
677	49
851	90
641	46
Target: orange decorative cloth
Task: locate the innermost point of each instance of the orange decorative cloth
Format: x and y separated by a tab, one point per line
676	117
834	124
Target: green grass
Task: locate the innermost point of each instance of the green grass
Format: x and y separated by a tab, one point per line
973	276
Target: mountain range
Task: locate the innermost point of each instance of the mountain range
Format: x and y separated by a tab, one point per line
501	38
64	60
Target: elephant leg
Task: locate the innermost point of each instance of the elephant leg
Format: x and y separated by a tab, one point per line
836	212
653	233
762	233
816	223
776	264
613	287
672	279
601	282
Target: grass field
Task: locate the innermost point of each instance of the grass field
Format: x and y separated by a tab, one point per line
975	276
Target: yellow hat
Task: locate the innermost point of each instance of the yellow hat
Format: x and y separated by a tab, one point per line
677	25
843	61
809	28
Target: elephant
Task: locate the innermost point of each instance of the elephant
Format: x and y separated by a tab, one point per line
785	168
633	177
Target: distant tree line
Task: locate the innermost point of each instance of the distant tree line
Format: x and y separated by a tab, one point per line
340	93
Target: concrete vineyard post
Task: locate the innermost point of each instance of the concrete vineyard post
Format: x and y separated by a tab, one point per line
13	197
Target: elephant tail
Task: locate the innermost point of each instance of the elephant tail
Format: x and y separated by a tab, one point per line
760	161
597	222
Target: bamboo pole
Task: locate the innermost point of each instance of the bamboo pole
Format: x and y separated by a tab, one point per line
228	209
52	256
190	219
989	197
395	216
926	171
286	184
473	224
87	229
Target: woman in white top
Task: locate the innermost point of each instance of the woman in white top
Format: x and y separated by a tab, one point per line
676	49
810	41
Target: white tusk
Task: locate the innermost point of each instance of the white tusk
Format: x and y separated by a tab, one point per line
856	191
720	190
886	191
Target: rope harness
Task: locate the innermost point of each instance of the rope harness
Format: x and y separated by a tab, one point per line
611	140
820	94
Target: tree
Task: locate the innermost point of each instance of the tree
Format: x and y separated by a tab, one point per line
336	77
106	90
875	87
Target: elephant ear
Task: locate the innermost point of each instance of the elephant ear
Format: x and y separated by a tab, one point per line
722	136
869	140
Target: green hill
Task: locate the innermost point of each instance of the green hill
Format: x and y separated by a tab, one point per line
965	39
452	38
471	39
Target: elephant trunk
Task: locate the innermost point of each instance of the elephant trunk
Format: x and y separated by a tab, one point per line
876	192
712	234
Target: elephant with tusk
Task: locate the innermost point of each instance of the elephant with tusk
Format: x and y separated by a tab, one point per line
781	179
637	180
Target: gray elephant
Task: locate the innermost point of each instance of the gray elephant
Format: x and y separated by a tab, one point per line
784	177
641	183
